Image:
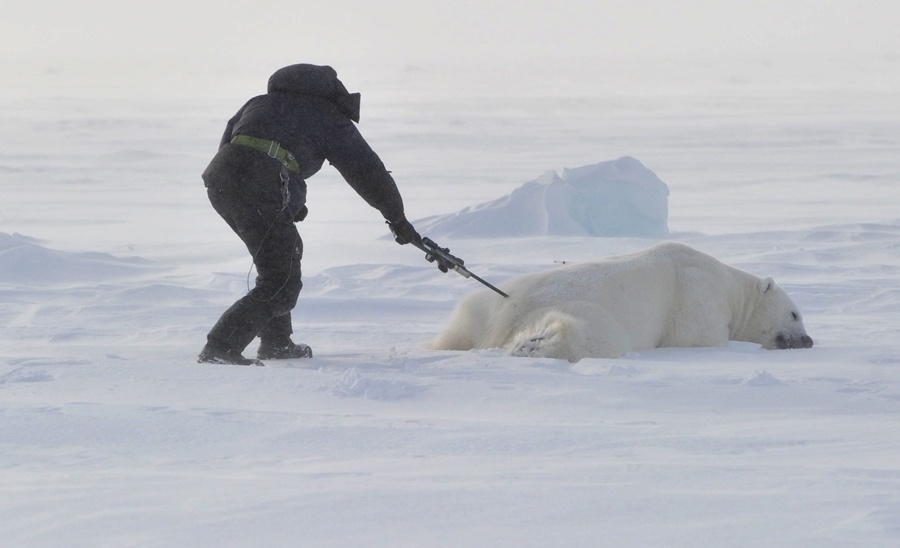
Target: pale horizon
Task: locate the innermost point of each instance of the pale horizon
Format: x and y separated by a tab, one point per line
136	45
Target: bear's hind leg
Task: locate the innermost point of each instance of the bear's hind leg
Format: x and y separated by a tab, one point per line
555	335
529	348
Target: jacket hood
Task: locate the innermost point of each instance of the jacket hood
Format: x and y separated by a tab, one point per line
318	81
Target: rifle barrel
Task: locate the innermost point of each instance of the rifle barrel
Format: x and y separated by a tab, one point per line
436	251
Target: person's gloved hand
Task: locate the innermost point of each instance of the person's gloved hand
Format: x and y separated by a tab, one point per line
404	233
304	211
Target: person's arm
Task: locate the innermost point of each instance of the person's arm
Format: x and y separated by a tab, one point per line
364	171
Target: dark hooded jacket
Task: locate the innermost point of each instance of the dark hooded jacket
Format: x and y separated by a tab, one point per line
310	113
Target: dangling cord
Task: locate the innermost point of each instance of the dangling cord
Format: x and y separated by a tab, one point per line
285	177
290	270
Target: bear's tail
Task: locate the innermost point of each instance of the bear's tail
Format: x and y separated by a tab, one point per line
469	325
453	338
464	331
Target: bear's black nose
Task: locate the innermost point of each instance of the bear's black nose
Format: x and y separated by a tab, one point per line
784	343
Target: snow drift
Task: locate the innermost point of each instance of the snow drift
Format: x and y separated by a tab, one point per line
617	198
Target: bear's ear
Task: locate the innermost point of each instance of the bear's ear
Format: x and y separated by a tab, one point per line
766	284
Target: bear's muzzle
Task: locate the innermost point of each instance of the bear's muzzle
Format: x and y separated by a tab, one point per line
785	342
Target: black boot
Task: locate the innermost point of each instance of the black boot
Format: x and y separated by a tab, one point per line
284	351
211	354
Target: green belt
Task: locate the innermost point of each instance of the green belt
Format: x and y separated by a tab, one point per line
271	148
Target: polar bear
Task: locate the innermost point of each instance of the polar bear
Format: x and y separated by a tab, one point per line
669	295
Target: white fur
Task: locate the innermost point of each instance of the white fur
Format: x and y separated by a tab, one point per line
670	295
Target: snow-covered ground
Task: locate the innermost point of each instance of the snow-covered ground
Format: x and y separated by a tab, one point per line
113	266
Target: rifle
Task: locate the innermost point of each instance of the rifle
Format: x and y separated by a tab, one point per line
446	261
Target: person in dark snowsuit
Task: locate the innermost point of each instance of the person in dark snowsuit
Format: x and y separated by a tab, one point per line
256	182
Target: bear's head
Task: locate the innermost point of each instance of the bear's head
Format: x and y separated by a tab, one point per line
776	322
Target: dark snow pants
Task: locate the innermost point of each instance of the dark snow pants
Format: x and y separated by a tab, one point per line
245	188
